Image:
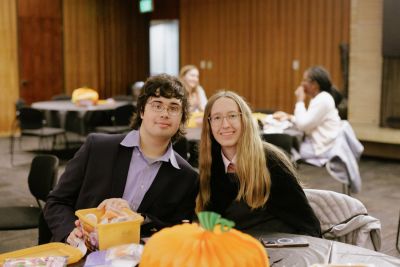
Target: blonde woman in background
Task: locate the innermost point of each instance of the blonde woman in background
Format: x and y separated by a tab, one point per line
189	75
245	179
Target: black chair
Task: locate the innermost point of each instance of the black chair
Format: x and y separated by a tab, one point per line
41	179
19	104
96	118
31	123
123	98
82	126
281	140
44	235
120	119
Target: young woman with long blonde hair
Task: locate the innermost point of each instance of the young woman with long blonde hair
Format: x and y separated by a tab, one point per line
189	75
245	179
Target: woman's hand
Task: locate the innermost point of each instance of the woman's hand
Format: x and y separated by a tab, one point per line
281	116
300	94
114	203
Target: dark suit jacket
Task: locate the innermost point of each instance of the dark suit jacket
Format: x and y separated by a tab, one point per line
287	209
99	171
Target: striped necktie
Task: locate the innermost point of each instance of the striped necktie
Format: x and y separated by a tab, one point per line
231	168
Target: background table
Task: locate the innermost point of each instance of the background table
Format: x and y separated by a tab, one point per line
67	105
64	106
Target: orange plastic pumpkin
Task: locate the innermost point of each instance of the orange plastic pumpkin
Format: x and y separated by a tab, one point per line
85	96
213	243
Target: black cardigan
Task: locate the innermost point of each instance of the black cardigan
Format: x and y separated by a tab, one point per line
287	209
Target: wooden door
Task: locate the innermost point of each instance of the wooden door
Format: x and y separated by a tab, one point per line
40	49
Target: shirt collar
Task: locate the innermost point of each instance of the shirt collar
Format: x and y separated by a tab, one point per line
227	161
132	139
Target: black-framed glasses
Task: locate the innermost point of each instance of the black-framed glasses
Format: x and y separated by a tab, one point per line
231	117
173	110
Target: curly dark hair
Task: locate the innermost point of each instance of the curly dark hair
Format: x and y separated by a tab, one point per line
166	86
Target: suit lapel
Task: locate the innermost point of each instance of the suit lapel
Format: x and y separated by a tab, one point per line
120	171
165	174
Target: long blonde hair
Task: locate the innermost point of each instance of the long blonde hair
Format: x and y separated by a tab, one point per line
182	73
253	176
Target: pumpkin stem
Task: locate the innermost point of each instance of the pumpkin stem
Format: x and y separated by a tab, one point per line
208	220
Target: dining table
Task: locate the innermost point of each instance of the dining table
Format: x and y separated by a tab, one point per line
319	252
324	251
65	106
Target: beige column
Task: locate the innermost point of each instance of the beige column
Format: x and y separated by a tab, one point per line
365	77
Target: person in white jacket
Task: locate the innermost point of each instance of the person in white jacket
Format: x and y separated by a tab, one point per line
320	121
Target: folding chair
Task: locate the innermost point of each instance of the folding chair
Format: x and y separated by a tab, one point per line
41	179
120	119
31	122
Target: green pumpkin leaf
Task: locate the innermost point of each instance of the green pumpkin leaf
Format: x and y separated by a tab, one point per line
209	219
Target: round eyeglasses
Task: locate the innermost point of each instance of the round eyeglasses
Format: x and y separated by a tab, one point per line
231	117
173	110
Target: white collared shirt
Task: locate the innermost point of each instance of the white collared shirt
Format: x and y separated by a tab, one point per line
227	161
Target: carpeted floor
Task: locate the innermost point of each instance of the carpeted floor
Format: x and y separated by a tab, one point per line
380	193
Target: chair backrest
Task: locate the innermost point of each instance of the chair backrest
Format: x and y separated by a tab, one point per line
43	175
95	118
281	140
73	123
123	114
30	118
123	98
20	103
344	218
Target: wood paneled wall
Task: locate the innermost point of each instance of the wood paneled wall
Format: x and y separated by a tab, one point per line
105	45
8	64
250	46
165	10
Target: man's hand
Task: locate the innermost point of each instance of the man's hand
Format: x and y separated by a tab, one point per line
114	204
76	235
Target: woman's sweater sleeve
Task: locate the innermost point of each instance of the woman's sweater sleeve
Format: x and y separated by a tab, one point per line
289	202
308	119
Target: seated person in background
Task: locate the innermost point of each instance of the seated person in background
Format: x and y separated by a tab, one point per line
139	170
246	180
189	75
320	121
